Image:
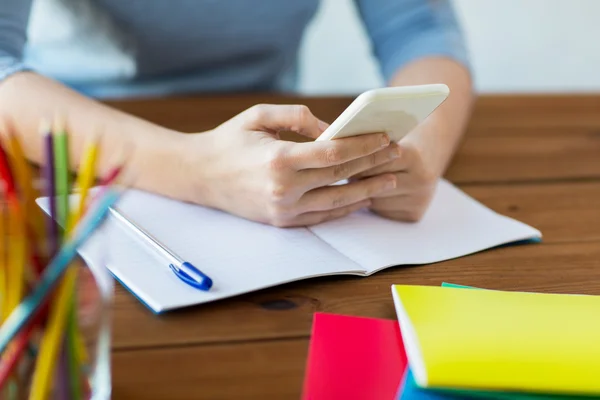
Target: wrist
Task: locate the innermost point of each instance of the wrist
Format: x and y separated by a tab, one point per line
437	140
159	161
195	169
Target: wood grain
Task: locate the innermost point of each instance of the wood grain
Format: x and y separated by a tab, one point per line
565	212
534	158
193	114
526	158
255	370
509	138
197	114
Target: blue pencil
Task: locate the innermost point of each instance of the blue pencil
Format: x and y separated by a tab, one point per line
23	313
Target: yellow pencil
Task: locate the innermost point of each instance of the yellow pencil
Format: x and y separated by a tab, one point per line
24	180
15	277
51	342
85	180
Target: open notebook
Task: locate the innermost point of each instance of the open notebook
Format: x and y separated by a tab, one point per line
243	256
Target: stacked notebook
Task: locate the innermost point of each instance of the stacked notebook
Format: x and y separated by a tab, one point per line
462	343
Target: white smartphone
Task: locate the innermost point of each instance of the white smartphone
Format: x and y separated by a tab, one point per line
394	110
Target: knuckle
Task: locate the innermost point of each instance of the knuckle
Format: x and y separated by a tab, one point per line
373	160
367	147
277	193
303	115
339	201
258	112
277	160
300	117
332	155
340	171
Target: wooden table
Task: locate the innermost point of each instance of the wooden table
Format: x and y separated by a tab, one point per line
536	159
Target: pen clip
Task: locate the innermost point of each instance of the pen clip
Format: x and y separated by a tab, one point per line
192	276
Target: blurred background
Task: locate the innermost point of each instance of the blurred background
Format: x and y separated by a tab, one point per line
515	46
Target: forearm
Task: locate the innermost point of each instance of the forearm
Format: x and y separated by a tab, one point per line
440	134
27	98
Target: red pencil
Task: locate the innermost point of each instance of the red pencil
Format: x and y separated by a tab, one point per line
7	176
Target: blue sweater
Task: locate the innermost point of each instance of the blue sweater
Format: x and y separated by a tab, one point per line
118	48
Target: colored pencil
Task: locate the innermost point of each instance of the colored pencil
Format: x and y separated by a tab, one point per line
16	256
61	171
73	357
24	312
3	262
6	176
85	180
24	181
16	349
112	176
50	189
52	341
34	295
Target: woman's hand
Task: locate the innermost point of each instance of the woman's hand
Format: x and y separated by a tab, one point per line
241	167
415	184
425	152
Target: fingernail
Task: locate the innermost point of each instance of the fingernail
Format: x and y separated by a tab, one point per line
323	125
385	140
395	152
390	184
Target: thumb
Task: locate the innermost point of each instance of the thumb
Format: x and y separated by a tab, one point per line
274	118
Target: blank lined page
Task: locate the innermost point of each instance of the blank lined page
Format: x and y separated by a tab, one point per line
239	255
454	225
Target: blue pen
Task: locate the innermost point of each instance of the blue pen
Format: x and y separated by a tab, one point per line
182	269
25	311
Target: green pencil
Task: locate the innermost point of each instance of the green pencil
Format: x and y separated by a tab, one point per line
61	171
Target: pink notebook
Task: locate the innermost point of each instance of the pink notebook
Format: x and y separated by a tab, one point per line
354	358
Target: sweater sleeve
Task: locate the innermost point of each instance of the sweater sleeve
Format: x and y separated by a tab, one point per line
402	31
14	17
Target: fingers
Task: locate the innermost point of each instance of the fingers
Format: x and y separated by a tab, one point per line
406	183
333	197
313	218
413	215
274	118
328	153
409	208
402	162
314	178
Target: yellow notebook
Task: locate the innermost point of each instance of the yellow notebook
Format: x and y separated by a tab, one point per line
494	340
